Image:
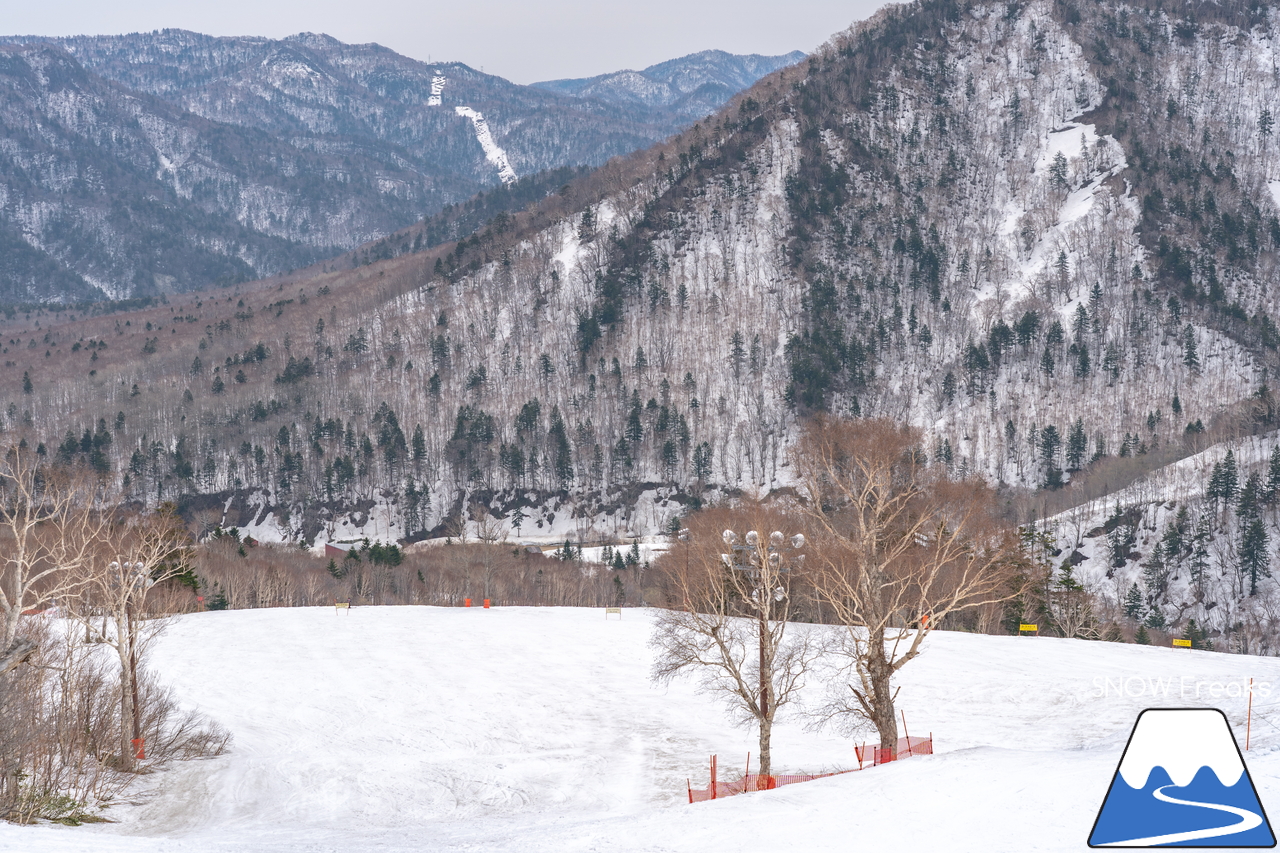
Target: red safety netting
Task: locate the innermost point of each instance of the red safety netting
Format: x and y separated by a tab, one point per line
757	782
907	747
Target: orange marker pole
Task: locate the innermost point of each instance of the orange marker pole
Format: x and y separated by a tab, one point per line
1249	725
486	604
467	602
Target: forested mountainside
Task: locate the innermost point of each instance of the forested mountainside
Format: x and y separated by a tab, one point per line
107	193
1045	233
165	162
314	85
694	85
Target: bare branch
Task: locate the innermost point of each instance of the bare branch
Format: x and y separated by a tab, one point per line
899	548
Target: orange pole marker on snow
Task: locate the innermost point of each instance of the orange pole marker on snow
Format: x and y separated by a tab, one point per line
486	604
467	602
1249	727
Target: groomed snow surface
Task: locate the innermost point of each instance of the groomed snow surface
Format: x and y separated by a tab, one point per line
537	729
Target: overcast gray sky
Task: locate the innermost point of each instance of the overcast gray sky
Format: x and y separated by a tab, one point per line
522	41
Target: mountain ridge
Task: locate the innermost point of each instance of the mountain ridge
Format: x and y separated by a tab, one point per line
286	151
693	85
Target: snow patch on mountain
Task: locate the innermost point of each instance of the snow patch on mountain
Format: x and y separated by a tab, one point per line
484	136
437	87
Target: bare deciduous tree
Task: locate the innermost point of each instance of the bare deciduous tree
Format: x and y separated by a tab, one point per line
136	553
491	530
898	548
50	523
728	628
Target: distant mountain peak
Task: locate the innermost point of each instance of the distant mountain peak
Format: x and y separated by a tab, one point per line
694	85
314	39
210	146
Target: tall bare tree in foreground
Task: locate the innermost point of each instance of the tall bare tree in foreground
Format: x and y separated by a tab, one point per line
136	553
899	548
728	627
61	715
50	524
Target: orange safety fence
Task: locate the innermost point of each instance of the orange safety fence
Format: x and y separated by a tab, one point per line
756	782
907	747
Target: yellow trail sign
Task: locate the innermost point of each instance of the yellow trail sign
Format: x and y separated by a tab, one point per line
1035	628
1182	644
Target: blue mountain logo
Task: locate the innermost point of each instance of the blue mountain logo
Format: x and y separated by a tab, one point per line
1182	783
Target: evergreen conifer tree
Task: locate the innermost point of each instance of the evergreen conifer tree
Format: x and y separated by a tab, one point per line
1197	635
1273	476
419	444
1230	476
1247	506
1155	571
1224	480
1120	542
1058	177
1080	324
1077	445
1190	355
1050	441
737	352
1082	365
563	458
1133	603
1174	538
1254	559
1111	363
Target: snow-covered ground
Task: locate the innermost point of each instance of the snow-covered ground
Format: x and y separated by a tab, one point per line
537	729
437	86
492	152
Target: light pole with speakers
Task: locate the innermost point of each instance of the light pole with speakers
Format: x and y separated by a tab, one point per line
763	563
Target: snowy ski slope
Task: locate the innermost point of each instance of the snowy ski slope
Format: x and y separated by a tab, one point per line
537	729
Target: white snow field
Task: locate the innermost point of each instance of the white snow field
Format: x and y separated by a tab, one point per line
537	729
